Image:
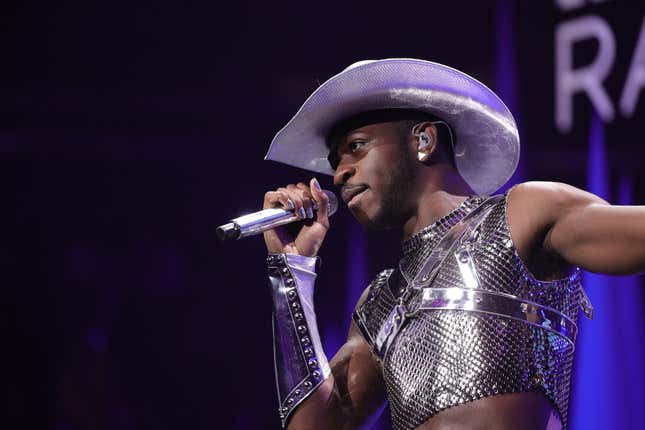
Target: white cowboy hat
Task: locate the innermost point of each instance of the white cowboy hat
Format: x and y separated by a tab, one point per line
486	146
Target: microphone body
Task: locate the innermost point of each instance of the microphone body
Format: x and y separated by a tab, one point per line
261	221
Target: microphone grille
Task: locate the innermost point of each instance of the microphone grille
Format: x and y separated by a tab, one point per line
333	202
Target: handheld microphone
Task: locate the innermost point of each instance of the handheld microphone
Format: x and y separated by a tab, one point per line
258	222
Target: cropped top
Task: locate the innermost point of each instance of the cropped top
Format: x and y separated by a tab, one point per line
507	332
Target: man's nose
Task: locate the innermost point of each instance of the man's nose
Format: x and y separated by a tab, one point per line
343	173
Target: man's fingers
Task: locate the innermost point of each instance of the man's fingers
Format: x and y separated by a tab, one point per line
306	192
305	196
277	198
304	187
300	198
299	207
321	199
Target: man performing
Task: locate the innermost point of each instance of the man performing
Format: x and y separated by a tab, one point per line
475	327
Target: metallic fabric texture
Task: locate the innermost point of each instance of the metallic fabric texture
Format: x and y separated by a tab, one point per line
300	362
446	357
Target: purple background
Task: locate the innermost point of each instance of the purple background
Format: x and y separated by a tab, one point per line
128	131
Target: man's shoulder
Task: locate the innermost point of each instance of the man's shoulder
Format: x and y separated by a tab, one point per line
534	204
546	198
533	208
542	189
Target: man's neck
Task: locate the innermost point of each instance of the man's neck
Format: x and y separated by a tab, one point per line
442	191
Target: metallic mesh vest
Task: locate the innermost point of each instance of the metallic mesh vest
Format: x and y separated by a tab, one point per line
443	358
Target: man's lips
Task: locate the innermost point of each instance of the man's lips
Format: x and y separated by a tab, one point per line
351	191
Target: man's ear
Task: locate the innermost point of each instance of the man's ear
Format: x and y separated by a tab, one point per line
426	140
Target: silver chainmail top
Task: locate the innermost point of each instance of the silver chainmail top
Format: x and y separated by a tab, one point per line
443	358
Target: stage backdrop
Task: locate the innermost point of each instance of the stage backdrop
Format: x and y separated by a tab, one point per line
128	131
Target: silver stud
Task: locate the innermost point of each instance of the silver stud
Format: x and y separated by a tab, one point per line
291	294
316	374
309	353
305	340
307	384
313	364
289	401
285	270
295	305
302	329
297	316
289	281
297	392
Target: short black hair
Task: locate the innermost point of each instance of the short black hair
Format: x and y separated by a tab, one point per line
406	119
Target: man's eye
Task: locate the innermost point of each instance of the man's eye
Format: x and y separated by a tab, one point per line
356	145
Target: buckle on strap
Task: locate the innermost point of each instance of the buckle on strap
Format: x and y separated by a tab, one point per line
500	304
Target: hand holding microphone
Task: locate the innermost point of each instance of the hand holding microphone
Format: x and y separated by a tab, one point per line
309	204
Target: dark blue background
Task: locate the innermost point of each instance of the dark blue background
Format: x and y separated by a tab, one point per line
128	131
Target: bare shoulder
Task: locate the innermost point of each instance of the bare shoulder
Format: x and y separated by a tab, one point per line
534	207
531	205
548	196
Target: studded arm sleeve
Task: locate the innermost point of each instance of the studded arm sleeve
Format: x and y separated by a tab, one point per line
300	362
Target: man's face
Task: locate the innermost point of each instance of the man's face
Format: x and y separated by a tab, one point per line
377	172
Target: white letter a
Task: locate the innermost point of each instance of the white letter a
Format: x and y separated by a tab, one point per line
635	78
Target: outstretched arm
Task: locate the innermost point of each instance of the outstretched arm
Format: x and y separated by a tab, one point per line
582	228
